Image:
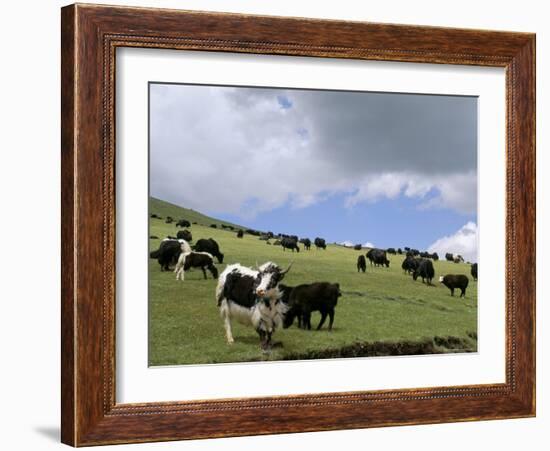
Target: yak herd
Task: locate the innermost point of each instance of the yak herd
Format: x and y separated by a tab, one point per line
256	296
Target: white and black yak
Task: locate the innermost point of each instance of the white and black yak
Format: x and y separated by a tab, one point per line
169	251
252	297
453	281
202	260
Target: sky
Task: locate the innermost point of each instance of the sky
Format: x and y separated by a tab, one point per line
383	169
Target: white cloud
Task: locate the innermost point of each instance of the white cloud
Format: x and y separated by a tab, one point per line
238	151
346	243
463	242
455	191
349	243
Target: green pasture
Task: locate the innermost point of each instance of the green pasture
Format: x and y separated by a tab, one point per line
380	307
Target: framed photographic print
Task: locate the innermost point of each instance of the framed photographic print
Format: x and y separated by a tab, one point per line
322	224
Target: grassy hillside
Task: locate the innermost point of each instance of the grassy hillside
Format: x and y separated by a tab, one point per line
164	209
381	312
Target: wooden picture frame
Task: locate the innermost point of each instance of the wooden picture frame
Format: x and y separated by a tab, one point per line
90	35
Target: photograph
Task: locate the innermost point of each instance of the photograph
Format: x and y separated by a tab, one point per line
297	224
272	222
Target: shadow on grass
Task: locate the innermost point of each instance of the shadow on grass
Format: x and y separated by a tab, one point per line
435	345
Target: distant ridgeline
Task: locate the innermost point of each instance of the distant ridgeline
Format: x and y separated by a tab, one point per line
164	209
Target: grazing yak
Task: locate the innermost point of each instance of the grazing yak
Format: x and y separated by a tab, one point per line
153	237
454	258
169	251
425	270
307	298
377	257
253	232
202	260
169	220
240	233
320	243
183	223
252	297
357	247
361	263
184	235
209	245
290	243
277	243
214	226
452	281
399	251
154	215
473	271
409	264
433	256
307	243
391	250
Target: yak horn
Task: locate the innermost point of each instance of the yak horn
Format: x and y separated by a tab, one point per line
288	269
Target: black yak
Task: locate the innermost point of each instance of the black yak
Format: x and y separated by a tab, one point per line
452	281
409	264
307	298
202	260
307	243
320	243
473	271
209	245
290	243
361	263
425	270
377	257
184	235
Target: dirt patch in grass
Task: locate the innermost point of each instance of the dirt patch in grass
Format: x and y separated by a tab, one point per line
436	345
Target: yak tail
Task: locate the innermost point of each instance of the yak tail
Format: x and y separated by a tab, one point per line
219	294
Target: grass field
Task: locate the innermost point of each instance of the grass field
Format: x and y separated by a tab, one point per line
381	312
